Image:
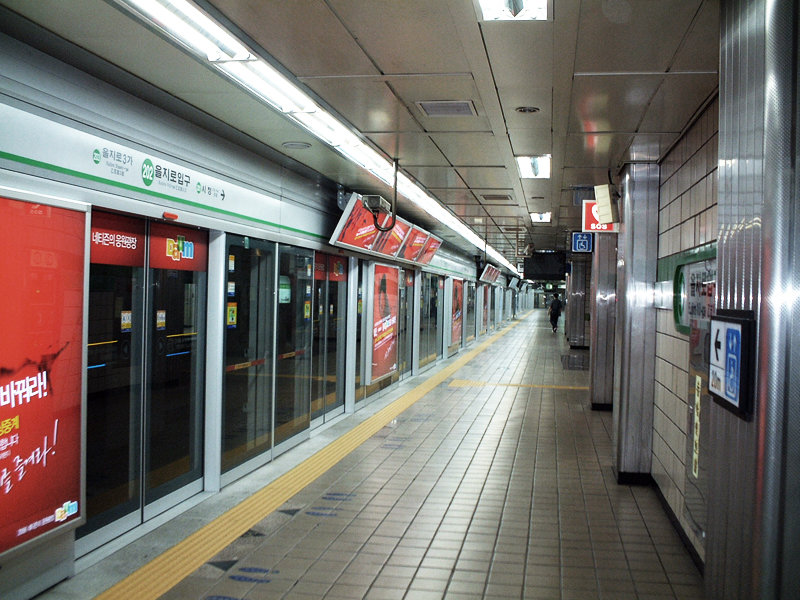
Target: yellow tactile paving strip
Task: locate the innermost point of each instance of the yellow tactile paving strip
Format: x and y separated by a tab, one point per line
468	383
165	571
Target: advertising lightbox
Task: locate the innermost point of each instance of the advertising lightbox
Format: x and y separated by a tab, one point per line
458	304
356	228
41	365
414	243
384	322
430	248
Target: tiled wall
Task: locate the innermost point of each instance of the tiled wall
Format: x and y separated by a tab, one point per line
687	219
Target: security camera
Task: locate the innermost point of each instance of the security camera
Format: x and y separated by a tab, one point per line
376	204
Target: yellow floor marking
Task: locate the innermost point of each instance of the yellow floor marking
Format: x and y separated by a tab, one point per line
168	569
467	383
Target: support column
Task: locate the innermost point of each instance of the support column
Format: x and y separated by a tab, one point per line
603	305
576	322
634	361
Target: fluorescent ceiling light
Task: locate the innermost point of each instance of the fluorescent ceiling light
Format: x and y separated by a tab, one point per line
534	167
514	10
545	217
183	22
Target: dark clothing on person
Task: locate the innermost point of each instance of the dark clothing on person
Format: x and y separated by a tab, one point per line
555	312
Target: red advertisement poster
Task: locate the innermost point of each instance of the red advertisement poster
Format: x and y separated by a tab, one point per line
337	268
41	317
178	248
415	240
431	246
384	322
458	305
359	229
117	240
389	242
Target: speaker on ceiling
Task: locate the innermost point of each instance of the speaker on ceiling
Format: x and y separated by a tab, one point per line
607	208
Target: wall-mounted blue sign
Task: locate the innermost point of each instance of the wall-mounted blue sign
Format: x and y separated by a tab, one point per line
582	242
729	360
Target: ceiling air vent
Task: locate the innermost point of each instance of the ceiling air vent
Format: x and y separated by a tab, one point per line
496	198
448	108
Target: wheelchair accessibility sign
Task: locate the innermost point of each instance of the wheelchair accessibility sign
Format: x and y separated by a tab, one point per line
729	362
582	242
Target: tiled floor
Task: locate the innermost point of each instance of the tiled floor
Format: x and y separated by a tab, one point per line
496	485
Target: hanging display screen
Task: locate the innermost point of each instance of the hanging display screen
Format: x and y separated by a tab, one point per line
384	322
41	317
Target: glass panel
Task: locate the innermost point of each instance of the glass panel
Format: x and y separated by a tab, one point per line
361	388
330	301
174	409
470	320
247	411
293	364
405	319
113	415
457	317
336	331
431	333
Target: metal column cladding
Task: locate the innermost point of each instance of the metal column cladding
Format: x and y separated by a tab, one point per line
634	378
755	470
577	324
732	477
603	304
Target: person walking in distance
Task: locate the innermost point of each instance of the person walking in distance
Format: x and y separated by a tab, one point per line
554	311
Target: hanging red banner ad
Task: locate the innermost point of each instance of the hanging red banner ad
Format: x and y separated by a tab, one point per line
41	319
384	322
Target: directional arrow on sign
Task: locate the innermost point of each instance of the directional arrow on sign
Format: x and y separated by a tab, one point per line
717	346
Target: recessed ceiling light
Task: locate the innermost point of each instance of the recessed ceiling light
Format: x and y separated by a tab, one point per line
534	167
296	145
514	10
545	217
527	109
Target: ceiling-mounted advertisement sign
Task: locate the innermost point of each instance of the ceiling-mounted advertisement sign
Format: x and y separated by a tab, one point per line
384	322
490	274
591	220
41	319
356	230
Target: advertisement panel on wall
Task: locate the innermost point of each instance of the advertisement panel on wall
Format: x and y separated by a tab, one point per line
415	241
41	349
458	305
178	248
384	322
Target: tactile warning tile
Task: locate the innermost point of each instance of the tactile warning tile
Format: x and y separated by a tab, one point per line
460	383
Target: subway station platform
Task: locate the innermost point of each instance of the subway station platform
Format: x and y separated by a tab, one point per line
488	477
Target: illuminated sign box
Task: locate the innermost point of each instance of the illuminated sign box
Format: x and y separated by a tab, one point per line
41	370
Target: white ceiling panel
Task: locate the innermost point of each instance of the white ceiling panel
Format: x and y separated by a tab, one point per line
367	103
677	101
521	52
303	35
436	177
469	148
411	149
631	36
485	177
611	102
412	36
700	51
596	149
